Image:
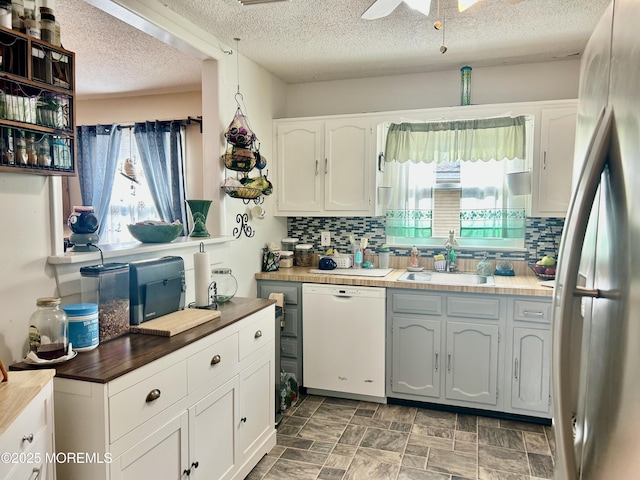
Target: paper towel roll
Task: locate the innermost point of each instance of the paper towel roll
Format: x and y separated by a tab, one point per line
202	274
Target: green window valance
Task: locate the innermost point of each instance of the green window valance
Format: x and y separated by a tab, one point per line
460	140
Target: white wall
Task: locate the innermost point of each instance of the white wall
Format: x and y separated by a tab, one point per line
505	84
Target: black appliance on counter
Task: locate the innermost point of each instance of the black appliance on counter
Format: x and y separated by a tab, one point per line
156	287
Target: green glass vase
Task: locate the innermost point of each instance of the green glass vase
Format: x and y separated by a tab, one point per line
199	210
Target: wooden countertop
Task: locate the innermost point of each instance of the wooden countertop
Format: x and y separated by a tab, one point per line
16	394
527	284
121	355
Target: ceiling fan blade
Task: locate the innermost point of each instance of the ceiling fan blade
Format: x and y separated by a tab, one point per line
380	8
464	4
423	6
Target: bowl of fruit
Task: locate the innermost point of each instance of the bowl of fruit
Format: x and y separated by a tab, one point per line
544	268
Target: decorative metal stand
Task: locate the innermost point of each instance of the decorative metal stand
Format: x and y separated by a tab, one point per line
243	220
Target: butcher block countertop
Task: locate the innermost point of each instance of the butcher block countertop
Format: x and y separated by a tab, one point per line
128	352
18	392
525	283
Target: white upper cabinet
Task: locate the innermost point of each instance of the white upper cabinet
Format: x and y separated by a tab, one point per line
325	167
300	157
554	163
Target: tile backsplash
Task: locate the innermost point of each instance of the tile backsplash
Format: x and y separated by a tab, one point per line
542	236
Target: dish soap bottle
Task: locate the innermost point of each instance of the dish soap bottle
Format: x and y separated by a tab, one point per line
414	262
484	267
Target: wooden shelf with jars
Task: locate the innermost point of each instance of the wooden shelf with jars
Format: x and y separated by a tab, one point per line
37	106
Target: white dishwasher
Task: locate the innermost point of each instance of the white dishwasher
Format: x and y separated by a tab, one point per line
343	340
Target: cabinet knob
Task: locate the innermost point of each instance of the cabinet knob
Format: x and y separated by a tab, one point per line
216	359
258	334
28	438
153	395
195	465
243	419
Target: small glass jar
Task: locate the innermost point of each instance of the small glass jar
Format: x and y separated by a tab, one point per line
286	259
21	148
304	255
47	25
48	330
17	15
30	145
44	152
223	285
83	220
289	244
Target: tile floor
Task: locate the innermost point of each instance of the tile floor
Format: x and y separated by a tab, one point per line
337	439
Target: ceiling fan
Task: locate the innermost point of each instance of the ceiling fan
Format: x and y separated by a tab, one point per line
382	8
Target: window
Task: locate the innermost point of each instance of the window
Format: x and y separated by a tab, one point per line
452	176
131	199
131	174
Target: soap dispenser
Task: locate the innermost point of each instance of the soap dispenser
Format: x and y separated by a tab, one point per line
415	254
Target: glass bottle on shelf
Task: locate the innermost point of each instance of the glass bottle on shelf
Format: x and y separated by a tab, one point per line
20	148
8	154
44	152
30	143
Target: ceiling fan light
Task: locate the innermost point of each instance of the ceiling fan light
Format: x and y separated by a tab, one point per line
423	6
464	4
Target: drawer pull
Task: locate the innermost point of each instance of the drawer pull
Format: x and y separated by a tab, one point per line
258	334
28	438
449	362
515	370
216	359
437	355
153	395
530	313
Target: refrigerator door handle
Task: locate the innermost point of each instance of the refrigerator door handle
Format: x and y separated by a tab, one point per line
572	241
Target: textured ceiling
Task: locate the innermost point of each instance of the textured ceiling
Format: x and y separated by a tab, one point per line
314	40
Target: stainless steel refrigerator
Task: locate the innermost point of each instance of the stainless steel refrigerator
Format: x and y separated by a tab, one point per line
596	331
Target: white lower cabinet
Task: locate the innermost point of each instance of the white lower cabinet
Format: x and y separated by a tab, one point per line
27	443
163	454
214	450
203	412
449	349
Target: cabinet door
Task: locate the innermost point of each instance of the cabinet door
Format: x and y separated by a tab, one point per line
300	167
257	409
472	362
557	139
163	454
416	356
212	427
530	369
348	166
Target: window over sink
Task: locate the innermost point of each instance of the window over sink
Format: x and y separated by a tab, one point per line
452	176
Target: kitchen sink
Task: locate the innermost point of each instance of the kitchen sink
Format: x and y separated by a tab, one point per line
443	278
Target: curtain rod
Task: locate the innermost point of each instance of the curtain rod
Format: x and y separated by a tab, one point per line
187	121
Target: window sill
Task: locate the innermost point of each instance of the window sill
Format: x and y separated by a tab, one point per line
67	266
119	250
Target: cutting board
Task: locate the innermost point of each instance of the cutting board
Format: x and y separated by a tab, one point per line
176	322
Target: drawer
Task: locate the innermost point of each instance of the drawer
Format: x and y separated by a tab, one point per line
137	404
417	304
217	360
291	296
29	434
473	307
532	311
289	347
258	333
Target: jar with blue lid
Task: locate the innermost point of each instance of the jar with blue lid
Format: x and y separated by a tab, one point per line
83	325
